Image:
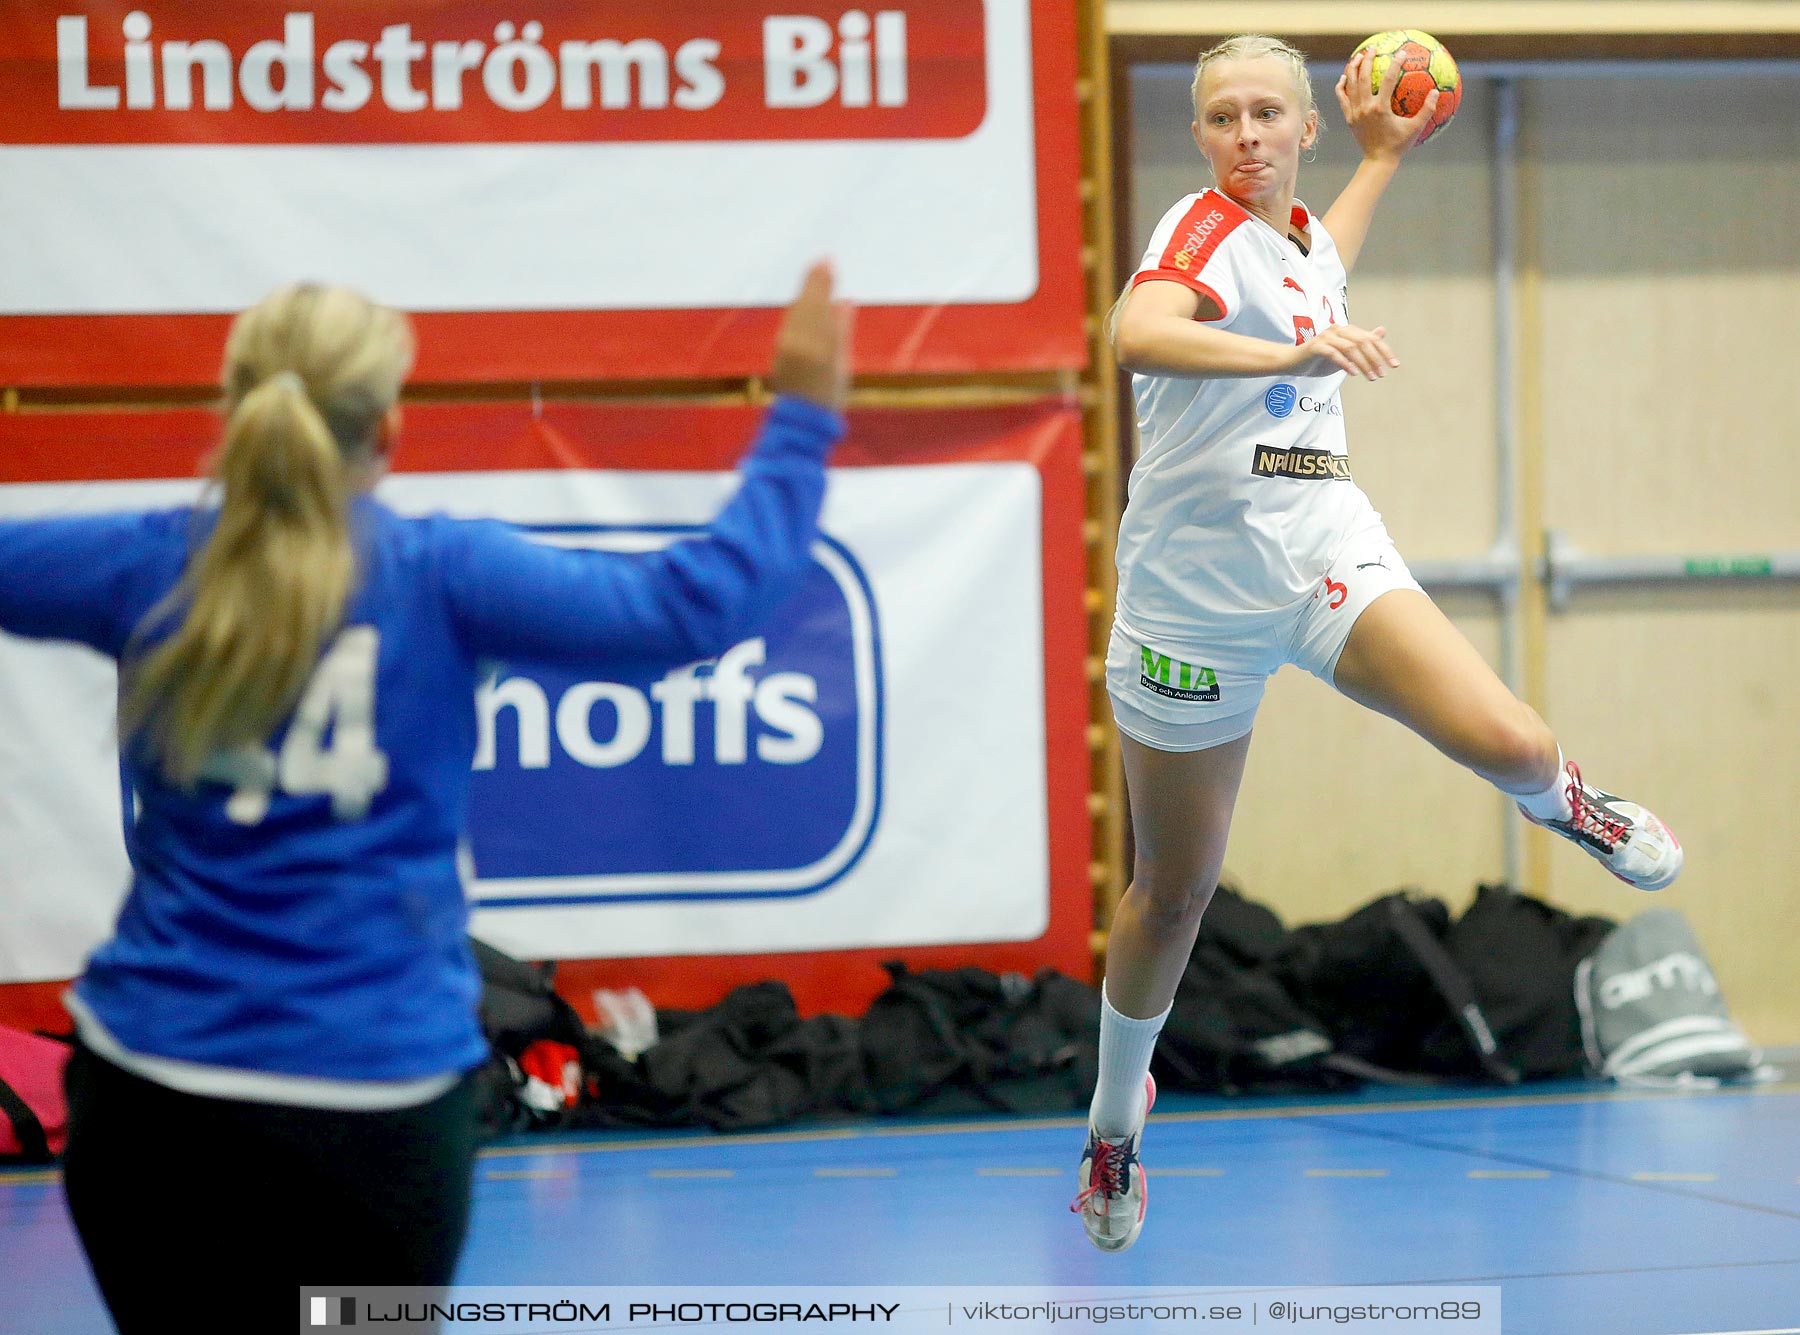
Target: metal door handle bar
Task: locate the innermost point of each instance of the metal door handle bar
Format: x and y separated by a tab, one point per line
1564	568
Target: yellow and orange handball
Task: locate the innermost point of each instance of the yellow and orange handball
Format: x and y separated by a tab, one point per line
1424	65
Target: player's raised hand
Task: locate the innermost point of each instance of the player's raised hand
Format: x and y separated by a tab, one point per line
812	346
1378	129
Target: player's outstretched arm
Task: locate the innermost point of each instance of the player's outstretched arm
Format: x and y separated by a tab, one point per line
1161	330
1384	136
1157	334
512	597
76	577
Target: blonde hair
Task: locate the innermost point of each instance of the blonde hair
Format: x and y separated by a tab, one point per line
309	374
1256	46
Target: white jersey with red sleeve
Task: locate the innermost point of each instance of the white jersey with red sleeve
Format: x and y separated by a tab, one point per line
1241	494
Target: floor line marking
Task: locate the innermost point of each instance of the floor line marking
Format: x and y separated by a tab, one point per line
510	1174
1512	1276
1674	1177
1509	1172
1346	1172
856	1172
40	1178
1185	1172
1020	1172
1324	1110
693	1172
1587	1174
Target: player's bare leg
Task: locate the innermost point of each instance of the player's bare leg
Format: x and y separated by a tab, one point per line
1405	660
1181	804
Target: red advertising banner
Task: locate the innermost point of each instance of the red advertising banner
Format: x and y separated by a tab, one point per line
955	536
399	73
567	192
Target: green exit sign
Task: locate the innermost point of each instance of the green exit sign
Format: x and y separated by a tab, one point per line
1736	565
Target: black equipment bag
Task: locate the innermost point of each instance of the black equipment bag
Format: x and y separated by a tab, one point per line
1383	981
751	1062
520	1003
520	1006
953	1041
1233	1026
1520	955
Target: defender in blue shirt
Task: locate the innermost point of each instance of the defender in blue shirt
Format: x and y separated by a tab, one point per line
290	985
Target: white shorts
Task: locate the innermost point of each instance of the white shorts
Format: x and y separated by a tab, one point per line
1175	705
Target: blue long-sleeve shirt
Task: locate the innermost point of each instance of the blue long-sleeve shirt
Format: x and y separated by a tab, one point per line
301	934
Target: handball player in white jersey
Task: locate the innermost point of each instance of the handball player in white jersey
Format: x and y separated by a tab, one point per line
1246	545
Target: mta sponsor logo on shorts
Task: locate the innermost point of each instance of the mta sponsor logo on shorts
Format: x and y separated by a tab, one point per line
1175	679
751	775
1304	464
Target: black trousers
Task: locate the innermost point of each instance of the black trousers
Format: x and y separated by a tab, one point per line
183	1201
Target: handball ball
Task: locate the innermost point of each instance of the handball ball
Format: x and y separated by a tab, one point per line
1424	65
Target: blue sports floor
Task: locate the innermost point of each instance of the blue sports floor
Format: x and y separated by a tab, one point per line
1597	1212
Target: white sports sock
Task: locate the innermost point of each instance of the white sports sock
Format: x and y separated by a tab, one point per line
1125	1048
1551	803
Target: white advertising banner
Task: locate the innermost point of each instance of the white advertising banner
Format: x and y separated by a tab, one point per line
567	191
566	157
868	771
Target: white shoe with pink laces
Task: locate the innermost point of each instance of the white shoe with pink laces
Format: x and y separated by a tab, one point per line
1113	1194
1627	839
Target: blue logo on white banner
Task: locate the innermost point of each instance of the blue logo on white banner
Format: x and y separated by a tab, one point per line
753	775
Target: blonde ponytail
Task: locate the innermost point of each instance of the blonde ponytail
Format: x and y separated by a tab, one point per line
309	374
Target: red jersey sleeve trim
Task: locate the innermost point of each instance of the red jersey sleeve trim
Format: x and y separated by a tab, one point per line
1209	220
1165	276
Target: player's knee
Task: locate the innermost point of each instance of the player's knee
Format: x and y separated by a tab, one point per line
1518	747
1173	897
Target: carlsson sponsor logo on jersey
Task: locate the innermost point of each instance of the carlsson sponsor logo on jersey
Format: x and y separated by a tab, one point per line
751	774
349	71
1281	401
1175	679
1304	464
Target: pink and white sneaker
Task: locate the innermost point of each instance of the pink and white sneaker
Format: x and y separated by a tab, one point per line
1627	840
1113	1193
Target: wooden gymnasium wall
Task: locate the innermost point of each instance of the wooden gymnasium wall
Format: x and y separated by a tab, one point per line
1667	288
1657	276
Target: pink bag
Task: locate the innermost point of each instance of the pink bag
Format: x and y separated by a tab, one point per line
34	1119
